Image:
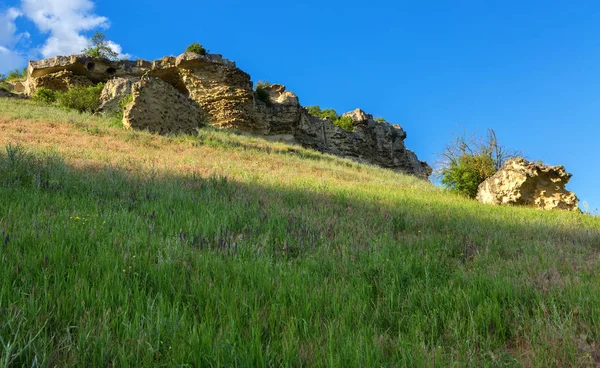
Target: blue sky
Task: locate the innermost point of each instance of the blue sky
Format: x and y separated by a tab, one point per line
530	70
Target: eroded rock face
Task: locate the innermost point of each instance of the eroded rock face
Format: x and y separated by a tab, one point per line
222	96
160	108
281	115
59	81
224	92
115	91
371	142
520	182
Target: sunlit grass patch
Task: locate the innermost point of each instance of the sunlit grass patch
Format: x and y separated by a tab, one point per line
126	248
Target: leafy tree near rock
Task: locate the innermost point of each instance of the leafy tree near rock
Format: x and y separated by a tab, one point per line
469	160
100	48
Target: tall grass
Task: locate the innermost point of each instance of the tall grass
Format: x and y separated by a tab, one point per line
206	258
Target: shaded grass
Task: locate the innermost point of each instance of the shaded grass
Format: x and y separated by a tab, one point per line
234	251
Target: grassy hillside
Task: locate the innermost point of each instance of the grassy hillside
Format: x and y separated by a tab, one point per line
124	249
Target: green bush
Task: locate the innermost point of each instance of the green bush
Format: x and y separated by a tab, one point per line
465	175
262	93
381	120
345	123
45	95
196	48
263	96
470	160
81	98
16	75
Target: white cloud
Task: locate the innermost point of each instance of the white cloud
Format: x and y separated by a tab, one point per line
8	29
64	21
118	49
10	59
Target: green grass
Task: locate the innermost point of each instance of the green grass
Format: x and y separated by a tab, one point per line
226	250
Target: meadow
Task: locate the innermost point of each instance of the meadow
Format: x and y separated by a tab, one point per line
128	249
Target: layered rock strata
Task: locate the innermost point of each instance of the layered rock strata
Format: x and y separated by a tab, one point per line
223	96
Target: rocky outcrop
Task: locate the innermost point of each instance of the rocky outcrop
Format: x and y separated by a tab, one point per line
371	141
224	97
520	182
115	91
159	108
225	93
59	81
280	114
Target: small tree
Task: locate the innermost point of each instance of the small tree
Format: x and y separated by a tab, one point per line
468	161
196	48
100	48
16	75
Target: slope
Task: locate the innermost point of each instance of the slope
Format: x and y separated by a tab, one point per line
124	248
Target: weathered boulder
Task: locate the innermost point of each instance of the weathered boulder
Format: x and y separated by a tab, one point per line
521	182
115	91
159	108
371	142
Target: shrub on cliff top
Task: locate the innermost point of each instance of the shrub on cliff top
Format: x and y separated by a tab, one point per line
262	93
196	48
345	122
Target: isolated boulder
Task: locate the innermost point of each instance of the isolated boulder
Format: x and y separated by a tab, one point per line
521	182
115	91
159	108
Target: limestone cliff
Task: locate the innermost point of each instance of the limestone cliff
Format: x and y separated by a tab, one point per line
222	96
